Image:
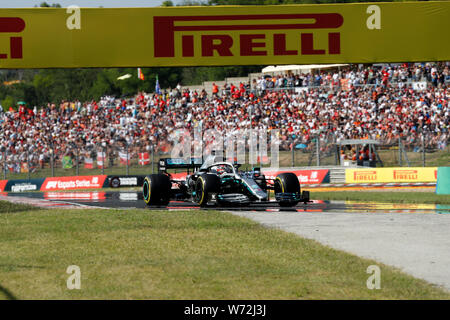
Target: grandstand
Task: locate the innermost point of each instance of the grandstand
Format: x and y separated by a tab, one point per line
381	102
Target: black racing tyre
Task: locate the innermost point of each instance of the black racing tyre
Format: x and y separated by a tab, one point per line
114	182
287	183
156	189
205	185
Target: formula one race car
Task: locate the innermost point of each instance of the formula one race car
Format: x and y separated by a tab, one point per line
220	183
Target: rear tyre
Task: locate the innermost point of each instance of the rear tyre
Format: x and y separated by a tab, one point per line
156	189
287	183
206	185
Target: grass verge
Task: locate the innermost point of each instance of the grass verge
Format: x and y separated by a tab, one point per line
9	207
136	254
394	197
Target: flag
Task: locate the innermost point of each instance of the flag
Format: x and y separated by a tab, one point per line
88	163
144	158
157	87
125	76
100	159
67	162
124	158
140	74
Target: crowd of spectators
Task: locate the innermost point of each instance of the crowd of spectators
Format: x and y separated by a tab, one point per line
435	74
358	103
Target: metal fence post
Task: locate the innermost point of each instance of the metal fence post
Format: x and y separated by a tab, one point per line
78	160
128	169
153	158
4	165
318	150
28	164
399	151
293	155
423	150
52	160
104	159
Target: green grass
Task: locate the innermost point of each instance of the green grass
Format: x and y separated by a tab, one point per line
384	196
139	254
8	207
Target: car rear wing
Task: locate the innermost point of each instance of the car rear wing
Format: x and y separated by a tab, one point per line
178	163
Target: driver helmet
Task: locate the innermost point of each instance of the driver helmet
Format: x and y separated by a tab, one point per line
220	169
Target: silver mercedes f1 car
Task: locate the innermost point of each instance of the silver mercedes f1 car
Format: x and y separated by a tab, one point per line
220	183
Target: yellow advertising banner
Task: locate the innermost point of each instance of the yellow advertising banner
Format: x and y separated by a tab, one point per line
386	175
224	35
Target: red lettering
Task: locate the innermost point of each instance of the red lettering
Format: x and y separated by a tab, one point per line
222	48
16	47
8	24
279	46
247	45
334	43
188	46
165	28
307	44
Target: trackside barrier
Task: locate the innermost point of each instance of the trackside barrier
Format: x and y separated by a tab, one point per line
111	181
316	177
124	181
73	183
443	180
391	175
70	183
23	185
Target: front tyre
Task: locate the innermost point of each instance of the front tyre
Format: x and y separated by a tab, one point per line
156	189
287	189
206	185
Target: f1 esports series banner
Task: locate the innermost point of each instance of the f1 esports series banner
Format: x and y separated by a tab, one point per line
386	175
75	182
224	35
69	183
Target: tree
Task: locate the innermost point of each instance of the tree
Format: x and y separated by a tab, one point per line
46	5
42	85
187	3
8	102
167	4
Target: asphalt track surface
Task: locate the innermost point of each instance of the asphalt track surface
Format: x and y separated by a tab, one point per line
411	237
